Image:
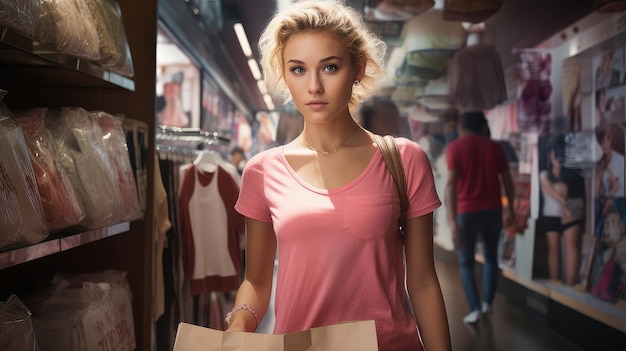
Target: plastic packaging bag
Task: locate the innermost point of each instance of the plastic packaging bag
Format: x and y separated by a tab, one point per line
115	145
68	25
114	48
86	312
61	205
84	158
19	15
21	213
16	327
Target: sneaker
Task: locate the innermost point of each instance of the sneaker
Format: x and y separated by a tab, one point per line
486	308
472	317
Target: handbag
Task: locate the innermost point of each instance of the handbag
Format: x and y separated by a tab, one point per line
391	155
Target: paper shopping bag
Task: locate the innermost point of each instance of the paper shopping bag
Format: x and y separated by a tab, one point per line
350	336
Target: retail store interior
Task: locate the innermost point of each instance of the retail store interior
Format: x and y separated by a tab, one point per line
104	102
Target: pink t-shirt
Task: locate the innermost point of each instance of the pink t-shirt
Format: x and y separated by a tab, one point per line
339	251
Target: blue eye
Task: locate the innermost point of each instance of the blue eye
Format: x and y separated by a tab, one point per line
297	70
330	68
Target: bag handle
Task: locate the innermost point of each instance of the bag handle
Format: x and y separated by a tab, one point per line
391	155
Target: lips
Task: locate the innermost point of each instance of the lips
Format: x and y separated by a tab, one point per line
316	104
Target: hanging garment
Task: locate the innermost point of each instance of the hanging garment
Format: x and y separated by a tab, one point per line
21	213
476	78
60	202
534	92
162	224
137	142
210	229
473	11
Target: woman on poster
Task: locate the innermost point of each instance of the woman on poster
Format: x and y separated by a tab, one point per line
562	213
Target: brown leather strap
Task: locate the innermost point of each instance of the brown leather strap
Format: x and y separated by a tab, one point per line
391	155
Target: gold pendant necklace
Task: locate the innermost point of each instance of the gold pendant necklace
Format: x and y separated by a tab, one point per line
334	150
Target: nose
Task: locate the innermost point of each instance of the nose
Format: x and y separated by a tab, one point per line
315	84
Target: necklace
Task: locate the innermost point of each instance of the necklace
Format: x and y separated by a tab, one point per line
334	150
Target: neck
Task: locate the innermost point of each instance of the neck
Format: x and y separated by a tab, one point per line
327	148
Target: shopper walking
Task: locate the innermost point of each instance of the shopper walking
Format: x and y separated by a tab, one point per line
327	202
477	168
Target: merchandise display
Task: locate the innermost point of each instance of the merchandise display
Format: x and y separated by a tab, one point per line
52	56
85	312
21	212
87	164
114	51
19	15
114	140
68	26
17	332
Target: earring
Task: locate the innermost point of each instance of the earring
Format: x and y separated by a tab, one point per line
356	83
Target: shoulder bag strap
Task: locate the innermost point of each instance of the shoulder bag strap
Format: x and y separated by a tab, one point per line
389	149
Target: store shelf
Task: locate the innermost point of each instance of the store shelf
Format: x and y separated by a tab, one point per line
42	64
570	296
11	256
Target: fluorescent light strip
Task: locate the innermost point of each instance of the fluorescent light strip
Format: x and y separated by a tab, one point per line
261	85
254	68
268	102
243	39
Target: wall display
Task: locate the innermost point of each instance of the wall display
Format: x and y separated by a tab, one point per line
220	116
562	214
607	275
572	97
534	106
242	133
264	131
177	85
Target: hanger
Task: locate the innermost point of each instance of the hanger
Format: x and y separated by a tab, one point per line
207	161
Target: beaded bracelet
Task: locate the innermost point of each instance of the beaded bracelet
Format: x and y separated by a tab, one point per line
243	306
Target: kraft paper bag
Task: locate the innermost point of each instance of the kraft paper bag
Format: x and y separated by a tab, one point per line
349	336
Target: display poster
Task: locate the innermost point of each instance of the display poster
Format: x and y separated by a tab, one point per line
572	97
562	215
177	85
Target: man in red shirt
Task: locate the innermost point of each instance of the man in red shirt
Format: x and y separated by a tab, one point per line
477	171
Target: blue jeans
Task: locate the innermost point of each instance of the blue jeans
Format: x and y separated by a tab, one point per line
489	224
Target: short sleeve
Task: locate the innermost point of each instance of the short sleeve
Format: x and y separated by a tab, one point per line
423	197
252	201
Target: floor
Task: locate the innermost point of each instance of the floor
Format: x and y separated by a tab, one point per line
508	328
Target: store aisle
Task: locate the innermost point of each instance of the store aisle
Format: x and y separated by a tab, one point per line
508	328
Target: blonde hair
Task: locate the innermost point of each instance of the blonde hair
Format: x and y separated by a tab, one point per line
321	16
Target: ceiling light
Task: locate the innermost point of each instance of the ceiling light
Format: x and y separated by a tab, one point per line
268	102
261	85
254	68
243	39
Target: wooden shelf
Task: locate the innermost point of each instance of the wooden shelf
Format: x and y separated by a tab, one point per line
571	297
44	65
14	255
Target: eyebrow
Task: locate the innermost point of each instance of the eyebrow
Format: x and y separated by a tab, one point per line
329	58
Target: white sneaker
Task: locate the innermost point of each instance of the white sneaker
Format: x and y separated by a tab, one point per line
472	317
486	308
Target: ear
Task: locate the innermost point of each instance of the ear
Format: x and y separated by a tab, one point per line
359	69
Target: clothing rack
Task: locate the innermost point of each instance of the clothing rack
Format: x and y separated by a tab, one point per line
190	134
186	141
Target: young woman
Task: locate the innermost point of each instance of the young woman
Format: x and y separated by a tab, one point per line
560	219
328	203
